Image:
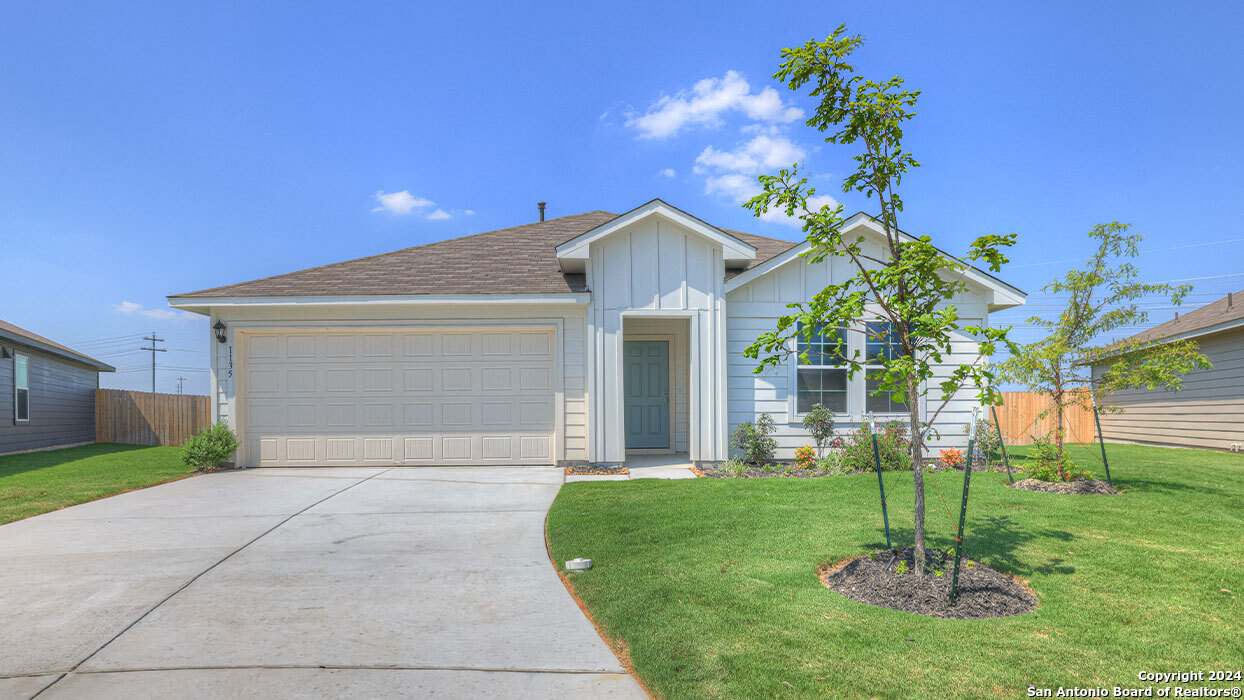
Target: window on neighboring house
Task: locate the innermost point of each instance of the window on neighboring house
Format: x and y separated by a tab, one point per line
882	344
21	388
821	377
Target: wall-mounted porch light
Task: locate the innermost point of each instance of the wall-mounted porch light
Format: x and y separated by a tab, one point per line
220	331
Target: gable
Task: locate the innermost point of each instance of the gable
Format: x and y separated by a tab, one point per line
994	292
573	254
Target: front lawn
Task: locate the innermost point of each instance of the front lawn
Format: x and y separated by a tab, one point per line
710	584
37	482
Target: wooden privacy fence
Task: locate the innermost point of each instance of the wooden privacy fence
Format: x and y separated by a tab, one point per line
144	418
1022	408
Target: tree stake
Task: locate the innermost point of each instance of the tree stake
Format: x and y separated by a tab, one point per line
963	509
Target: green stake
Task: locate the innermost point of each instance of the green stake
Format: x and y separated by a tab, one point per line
872	419
1002	443
1101	439
963	509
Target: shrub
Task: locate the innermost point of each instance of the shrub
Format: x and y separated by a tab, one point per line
893	443
805	456
733	467
1045	464
210	447
820	423
831	463
950	457
988	448
754	440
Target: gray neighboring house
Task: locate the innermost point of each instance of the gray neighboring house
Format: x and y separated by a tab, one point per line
1208	412
47	392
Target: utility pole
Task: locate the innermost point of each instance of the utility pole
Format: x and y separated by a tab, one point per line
153	350
179	381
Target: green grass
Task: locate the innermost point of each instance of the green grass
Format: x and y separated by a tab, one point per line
38	482
711	587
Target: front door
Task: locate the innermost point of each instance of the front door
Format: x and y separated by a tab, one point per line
647	378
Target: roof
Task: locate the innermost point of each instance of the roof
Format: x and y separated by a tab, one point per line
21	335
516	260
1226	311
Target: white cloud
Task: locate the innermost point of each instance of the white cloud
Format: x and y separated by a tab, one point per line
705	103
439	215
762	153
130	308
668	172
732	173
400	203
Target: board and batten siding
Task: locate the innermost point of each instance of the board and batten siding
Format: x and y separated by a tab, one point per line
756	306
570	318
62	402
656	268
1207	413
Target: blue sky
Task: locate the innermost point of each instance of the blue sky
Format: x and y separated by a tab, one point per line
148	149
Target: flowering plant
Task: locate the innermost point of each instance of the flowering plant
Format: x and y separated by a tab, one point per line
950	457
805	456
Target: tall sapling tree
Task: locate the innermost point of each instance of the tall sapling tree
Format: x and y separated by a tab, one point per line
1101	298
900	295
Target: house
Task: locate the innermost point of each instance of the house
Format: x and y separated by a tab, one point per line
1208	412
47	390
579	339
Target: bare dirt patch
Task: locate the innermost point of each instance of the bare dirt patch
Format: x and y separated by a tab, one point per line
875	579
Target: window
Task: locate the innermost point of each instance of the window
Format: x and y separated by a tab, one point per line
21	389
882	344
821	377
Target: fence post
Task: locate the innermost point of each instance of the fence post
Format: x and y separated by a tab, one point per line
963	509
872	419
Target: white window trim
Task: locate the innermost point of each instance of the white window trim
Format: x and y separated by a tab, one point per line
864	379
17	388
857	386
792	377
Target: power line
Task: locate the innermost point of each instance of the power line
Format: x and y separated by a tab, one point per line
153	350
1149	250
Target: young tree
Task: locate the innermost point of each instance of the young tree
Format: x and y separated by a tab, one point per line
900	293
1101	298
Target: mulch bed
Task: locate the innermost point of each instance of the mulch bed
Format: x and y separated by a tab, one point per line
1083	486
588	470
782	471
874	579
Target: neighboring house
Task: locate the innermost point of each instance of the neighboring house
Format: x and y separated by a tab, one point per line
582	338
47	392
1208	412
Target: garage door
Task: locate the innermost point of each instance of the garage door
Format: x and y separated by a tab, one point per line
478	396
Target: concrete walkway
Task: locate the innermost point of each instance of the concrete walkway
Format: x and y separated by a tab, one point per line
300	583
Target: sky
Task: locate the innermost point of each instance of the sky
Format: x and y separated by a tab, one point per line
153	148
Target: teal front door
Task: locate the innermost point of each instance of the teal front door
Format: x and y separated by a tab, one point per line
647	379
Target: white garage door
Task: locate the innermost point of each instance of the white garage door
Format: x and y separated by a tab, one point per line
408	397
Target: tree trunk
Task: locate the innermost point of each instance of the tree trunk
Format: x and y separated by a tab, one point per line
917	452
1058	433
1057	395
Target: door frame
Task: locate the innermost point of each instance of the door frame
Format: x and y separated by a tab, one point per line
669	339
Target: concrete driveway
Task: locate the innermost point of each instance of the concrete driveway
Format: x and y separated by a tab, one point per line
298	583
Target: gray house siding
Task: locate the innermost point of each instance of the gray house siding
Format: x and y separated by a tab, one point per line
62	402
1207	413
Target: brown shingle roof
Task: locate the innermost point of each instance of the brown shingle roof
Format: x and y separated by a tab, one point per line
517	260
18	334
1229	308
